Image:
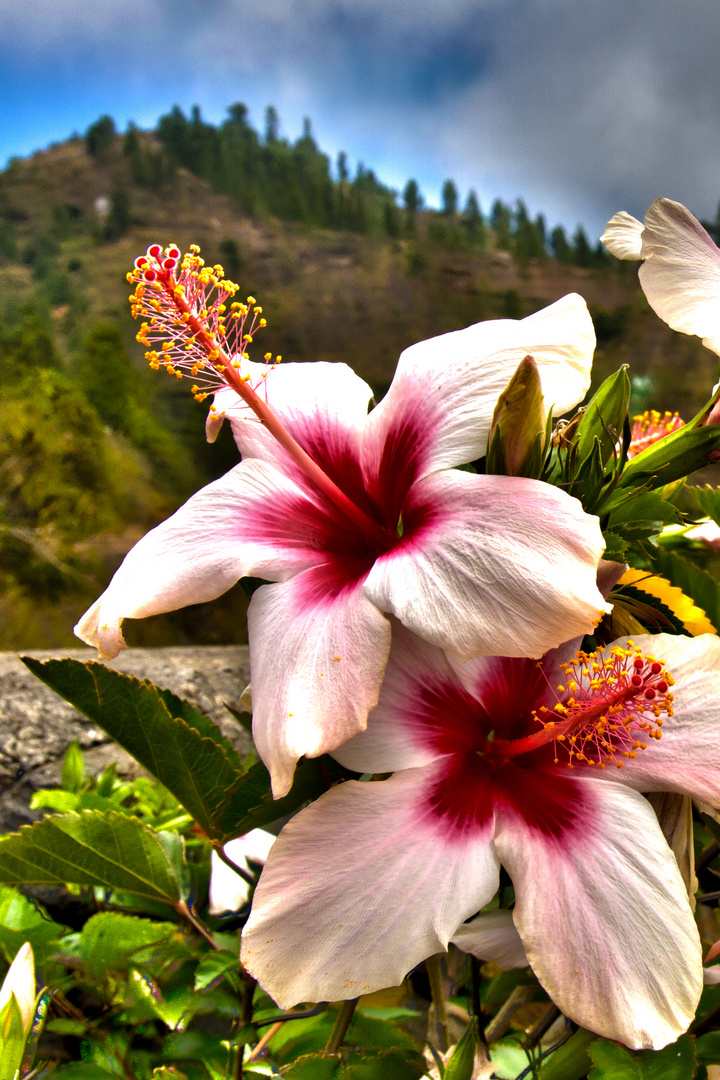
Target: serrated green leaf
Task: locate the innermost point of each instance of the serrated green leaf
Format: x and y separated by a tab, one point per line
179	746
214	967
113	942
106	850
462	1060
604	417
703	589
614	1062
183	749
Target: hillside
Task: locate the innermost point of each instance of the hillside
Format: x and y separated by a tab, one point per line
71	224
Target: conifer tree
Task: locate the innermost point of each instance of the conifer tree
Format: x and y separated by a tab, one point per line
449	199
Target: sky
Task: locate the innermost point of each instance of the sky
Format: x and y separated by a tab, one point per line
580	107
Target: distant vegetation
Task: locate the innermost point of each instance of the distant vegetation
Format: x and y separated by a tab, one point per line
94	449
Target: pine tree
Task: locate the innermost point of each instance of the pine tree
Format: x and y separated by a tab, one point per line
449	199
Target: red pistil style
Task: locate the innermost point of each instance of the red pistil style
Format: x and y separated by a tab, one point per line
610	699
181	304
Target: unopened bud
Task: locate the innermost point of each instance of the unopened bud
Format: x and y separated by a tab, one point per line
519	416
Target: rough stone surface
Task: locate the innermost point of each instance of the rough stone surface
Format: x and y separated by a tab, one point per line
36	725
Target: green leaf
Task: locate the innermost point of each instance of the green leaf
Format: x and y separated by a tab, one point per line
694	582
570	1061
614	1062
24	920
73	767
643	506
462	1060
181	747
348	1065
12	1039
106	850
673	457
112	942
172	1012
604	417
214	967
176	743
709	500
708	1048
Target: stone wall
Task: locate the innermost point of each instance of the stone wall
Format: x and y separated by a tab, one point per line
36	725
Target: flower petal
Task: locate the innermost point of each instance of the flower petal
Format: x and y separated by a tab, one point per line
440	405
492	565
399	732
687	757
492	937
253	521
681	272
323	406
317	657
604	917
20	981
359	888
228	891
623	236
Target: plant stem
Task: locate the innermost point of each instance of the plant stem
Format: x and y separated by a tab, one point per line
191	917
342	1023
433	966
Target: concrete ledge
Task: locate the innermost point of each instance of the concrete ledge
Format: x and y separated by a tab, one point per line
36	725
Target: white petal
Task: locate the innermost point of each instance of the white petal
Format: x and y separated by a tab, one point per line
20	981
623	236
500	566
687	757
322	405
395	737
445	389
229	891
681	272
492	937
358	889
605	919
316	662
253	521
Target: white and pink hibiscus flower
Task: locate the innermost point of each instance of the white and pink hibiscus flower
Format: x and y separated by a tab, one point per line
229	891
367	517
680	274
388	871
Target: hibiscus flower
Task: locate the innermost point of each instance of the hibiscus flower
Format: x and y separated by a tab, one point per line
354	516
387	872
680	274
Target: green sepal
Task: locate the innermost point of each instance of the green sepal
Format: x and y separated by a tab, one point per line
460	1065
671	458
604	417
708	498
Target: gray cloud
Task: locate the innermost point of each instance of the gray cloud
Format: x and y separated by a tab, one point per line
580	106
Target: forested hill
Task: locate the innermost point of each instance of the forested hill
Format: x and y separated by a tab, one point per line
94	448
